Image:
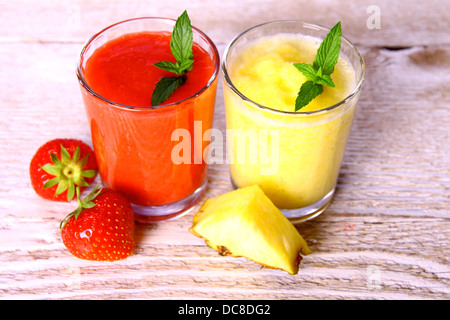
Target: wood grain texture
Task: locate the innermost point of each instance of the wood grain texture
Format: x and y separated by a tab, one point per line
403	24
386	234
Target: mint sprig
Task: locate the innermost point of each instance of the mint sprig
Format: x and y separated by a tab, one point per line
181	47
318	74
165	87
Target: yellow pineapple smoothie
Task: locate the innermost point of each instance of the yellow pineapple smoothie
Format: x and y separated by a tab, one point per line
295	157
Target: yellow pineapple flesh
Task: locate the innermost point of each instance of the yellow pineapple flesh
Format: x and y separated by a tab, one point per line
245	222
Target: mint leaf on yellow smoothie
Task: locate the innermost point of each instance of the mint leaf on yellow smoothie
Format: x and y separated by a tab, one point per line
308	91
181	47
318	74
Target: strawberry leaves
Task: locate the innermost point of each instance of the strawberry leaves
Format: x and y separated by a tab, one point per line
86	203
68	172
181	46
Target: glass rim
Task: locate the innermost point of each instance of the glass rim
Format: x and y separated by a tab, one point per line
349	97
84	84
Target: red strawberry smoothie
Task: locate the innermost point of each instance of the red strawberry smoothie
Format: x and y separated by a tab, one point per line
132	140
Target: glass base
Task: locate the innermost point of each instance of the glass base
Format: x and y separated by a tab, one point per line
152	214
303	214
309	212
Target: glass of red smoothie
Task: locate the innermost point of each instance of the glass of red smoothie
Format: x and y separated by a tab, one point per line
137	145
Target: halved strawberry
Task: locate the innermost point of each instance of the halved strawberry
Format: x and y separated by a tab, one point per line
61	164
101	228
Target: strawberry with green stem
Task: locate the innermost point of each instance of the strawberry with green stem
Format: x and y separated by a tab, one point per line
59	166
101	228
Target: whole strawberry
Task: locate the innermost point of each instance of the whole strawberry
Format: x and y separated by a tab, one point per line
59	166
101	228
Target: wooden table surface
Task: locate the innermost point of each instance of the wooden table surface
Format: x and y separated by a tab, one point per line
386	234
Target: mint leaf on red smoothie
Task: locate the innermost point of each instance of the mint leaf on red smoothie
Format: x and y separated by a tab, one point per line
169	66
181	47
181	42
165	87
319	72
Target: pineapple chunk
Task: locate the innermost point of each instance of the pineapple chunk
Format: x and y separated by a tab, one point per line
244	222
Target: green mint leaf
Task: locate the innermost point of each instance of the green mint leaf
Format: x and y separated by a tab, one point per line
308	91
319	72
324	80
315	76
165	87
181	44
328	52
182	39
170	66
186	65
308	70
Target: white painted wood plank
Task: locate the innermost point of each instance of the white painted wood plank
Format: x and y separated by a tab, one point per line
385	236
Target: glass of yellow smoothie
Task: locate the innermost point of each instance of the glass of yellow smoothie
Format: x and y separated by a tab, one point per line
294	156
